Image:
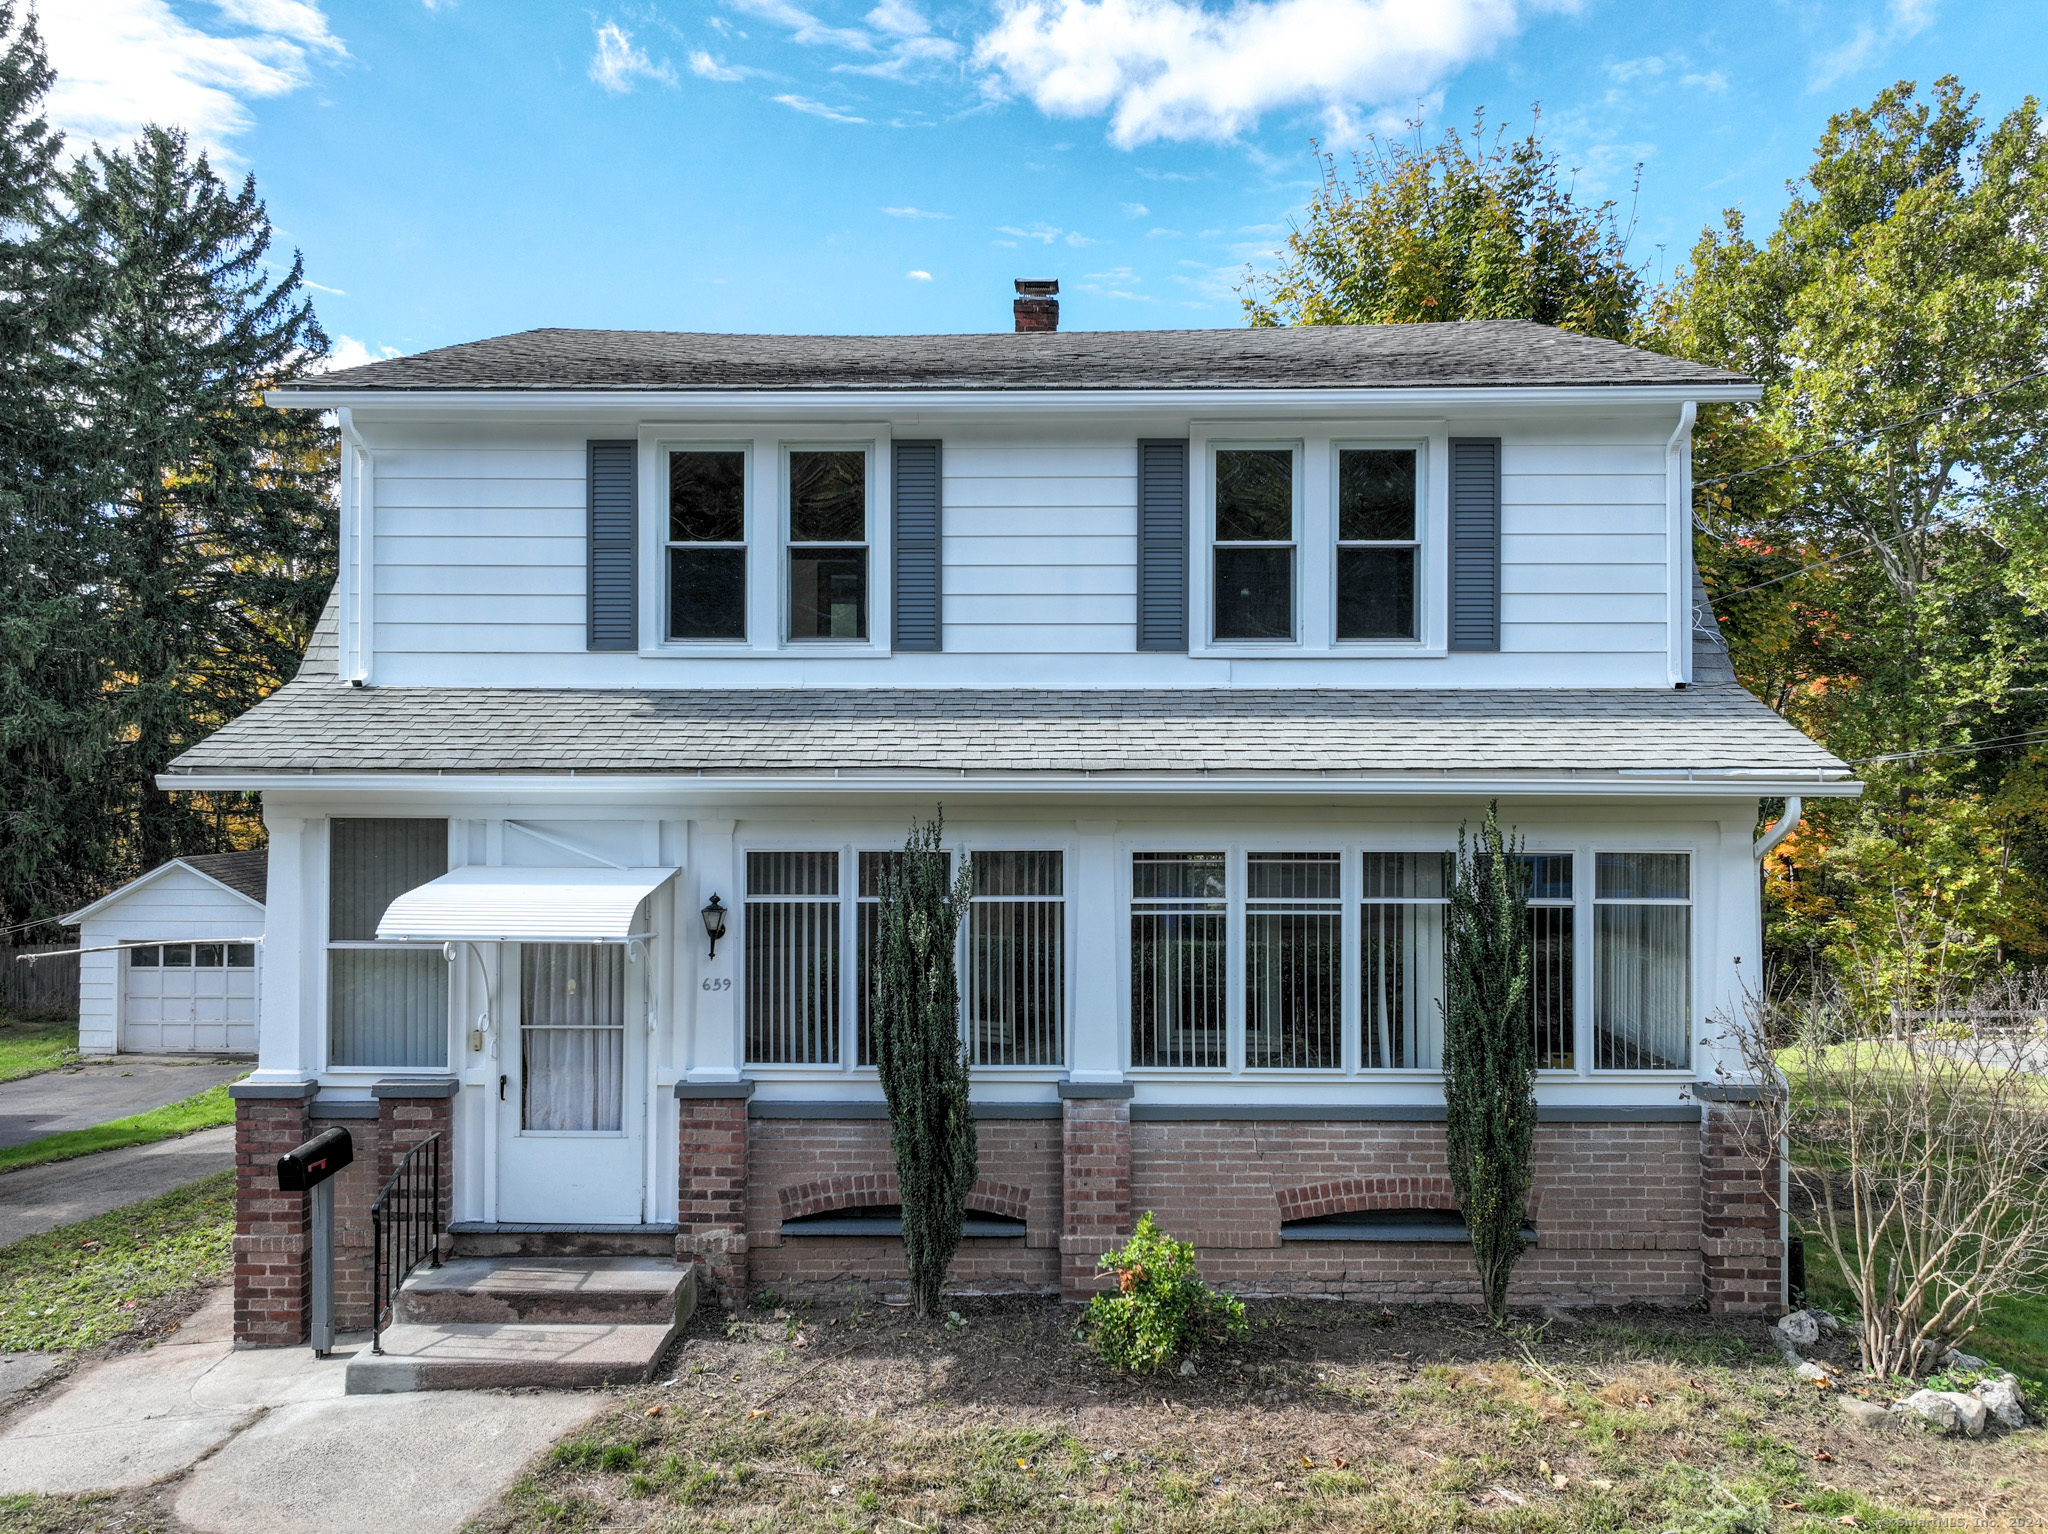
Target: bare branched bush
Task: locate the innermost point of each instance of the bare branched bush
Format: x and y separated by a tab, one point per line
1917	1145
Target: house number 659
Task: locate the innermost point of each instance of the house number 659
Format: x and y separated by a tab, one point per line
718	984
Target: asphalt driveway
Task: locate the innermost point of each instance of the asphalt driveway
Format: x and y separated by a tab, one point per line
79	1097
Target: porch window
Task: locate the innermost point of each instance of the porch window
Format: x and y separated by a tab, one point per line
387	1003
1179	936
707	544
1016	959
572	1036
867	932
1293	961
1254	550
792	943
1401	959
1376	543
1551	959
1642	957
828	535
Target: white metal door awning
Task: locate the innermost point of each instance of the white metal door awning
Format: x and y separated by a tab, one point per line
523	905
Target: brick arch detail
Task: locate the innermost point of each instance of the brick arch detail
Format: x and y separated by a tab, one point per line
823	1194
1350	1194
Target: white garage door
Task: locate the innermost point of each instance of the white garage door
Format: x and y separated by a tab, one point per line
191	997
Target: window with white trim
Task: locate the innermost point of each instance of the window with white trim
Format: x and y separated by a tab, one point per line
1253	552
1378	545
387	1003
1294	961
707	544
1553	960
1180	920
1642	961
828	544
792	948
1402	901
1016	973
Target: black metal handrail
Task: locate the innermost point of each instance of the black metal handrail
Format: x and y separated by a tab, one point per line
405	1228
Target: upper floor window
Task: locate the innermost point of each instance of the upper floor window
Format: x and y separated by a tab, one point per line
1254	548
828	544
707	544
1376	543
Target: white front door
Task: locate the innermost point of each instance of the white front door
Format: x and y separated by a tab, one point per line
572	1088
190	998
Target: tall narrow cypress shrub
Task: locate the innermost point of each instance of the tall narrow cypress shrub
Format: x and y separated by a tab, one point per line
922	1058
1490	1051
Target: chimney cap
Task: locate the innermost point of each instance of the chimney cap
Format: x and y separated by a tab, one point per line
1037	287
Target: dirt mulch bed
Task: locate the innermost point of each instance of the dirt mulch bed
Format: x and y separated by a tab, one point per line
1327	1417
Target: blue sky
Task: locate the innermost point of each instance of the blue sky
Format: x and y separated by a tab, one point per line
461	168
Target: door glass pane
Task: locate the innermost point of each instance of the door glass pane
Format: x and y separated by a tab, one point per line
792	944
241	956
1376	495
207	955
1254	593
1293	1004
144	958
1016	959
1641	1015
1254	495
178	955
572	1035
707	497
707	593
1178	934
1375	593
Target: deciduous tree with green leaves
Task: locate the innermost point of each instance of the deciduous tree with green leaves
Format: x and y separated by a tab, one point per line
1489	1051
1462	229
922	1057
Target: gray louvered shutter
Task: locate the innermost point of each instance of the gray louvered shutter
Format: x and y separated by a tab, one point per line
915	525
1162	544
1475	543
614	574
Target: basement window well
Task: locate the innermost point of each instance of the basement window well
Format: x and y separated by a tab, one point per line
1385	1225
885	1222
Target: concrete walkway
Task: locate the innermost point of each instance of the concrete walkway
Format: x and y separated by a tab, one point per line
278	1448
79	1097
39	1198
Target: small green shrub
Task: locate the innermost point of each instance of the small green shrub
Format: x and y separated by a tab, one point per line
1162	1309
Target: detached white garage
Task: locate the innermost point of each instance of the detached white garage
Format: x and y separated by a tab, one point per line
168	963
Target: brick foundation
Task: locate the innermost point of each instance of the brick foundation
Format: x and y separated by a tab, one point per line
1742	1254
1098	1183
273	1230
712	1189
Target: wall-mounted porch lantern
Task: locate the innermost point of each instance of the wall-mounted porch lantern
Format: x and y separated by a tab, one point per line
714	923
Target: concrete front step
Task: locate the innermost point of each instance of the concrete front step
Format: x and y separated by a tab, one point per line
482	1356
468	1238
614	1291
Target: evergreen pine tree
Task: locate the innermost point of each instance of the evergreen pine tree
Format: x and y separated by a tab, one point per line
55	730
922	1058
1489	1051
219	509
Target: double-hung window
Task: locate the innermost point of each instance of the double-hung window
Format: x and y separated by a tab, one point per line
1254	543
1294	961
1180	923
707	544
1642	938
793	945
1552	959
1401	959
828	544
1016	959
387	1003
1377	546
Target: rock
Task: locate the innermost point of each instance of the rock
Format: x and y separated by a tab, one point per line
1187	1368
1933	1408
1800	1328
2002	1399
1828	1323
1970	1412
1819	1374
1954	1361
1865	1414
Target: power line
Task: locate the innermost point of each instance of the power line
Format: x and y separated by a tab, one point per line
1818	564
2030	737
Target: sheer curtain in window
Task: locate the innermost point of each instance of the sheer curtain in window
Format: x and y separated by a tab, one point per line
1642	944
572	1035
1401	960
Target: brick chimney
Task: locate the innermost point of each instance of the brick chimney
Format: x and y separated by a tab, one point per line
1038	304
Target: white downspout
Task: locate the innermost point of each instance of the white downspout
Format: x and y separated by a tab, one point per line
1678	528
1786	824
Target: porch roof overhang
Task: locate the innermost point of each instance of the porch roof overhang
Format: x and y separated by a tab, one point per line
523	905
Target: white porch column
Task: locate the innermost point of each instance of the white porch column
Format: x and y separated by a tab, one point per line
287	1008
1098	1054
713	1049
1730	946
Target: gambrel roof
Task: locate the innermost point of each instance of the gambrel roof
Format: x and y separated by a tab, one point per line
1452	354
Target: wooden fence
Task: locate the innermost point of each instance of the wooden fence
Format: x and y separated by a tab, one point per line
47	985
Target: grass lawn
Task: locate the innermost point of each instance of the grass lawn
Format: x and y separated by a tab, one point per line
30	1045
204	1110
84	1284
1329	1417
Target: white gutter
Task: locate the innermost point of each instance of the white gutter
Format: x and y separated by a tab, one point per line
1787	823
1678	524
784	402
628	785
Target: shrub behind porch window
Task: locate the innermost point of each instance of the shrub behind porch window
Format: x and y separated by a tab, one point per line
387	1003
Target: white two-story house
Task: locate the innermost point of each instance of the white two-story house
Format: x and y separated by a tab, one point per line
1208	642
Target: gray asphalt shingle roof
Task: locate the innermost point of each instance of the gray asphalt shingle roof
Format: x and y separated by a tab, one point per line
247	873
1466	353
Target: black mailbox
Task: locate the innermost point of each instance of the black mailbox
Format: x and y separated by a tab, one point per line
315	1161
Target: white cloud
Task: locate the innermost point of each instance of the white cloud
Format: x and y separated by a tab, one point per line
1045	232
900	45
818	109
1171	69
1077	239
1162	234
1902	19
1136	210
914	213
917	276
1713	80
803	27
348	352
617	64
705	67
123	63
